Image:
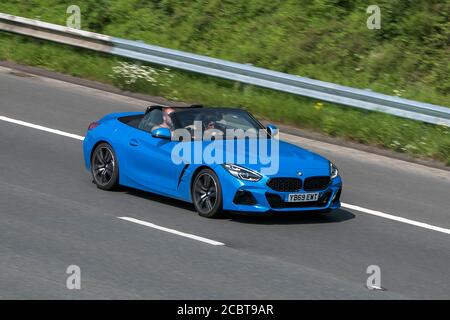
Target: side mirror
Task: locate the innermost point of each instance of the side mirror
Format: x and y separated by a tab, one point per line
272	130
162	133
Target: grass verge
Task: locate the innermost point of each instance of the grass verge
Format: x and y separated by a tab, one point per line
401	135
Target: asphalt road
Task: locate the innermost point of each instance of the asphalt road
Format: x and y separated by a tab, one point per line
52	216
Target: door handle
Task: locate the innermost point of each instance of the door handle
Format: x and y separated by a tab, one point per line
134	142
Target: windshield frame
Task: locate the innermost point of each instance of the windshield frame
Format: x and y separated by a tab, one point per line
249	117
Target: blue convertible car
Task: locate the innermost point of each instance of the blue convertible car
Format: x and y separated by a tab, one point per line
219	159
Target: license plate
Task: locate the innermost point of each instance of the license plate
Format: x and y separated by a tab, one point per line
303	197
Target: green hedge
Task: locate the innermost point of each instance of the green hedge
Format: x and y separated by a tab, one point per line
371	128
322	39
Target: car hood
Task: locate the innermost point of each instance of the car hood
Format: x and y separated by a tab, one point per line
291	161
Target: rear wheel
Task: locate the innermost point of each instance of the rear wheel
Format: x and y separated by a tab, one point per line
104	167
207	194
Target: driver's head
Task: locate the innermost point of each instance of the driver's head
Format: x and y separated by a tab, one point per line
168	110
209	121
167	121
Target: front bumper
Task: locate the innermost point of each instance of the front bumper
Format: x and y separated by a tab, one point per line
257	197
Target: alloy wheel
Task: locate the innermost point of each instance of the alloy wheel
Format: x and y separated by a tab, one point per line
103	166
205	193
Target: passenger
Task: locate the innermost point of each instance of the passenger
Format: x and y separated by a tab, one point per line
167	120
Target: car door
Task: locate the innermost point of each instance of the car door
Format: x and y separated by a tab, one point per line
149	162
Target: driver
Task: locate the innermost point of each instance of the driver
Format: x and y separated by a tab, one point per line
167	120
206	122
209	122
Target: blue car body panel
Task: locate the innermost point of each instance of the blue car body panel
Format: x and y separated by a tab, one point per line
145	163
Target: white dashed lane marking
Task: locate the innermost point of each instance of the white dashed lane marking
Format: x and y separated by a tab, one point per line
213	242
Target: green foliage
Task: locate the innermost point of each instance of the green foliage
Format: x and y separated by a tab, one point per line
322	39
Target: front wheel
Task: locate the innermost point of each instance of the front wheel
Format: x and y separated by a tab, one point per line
104	167
207	194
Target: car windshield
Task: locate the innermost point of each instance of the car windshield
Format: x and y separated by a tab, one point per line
216	120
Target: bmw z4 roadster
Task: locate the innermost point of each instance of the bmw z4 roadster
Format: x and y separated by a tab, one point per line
219	159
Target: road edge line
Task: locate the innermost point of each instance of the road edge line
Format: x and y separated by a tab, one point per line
395	218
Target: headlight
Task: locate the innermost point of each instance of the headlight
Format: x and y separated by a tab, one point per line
334	172
242	173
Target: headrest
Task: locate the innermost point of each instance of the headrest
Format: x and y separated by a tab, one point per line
150	108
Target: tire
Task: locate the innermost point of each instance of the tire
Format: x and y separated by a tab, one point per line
105	167
207	194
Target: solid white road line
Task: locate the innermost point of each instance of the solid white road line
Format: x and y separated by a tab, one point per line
179	233
396	218
35	126
344	205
